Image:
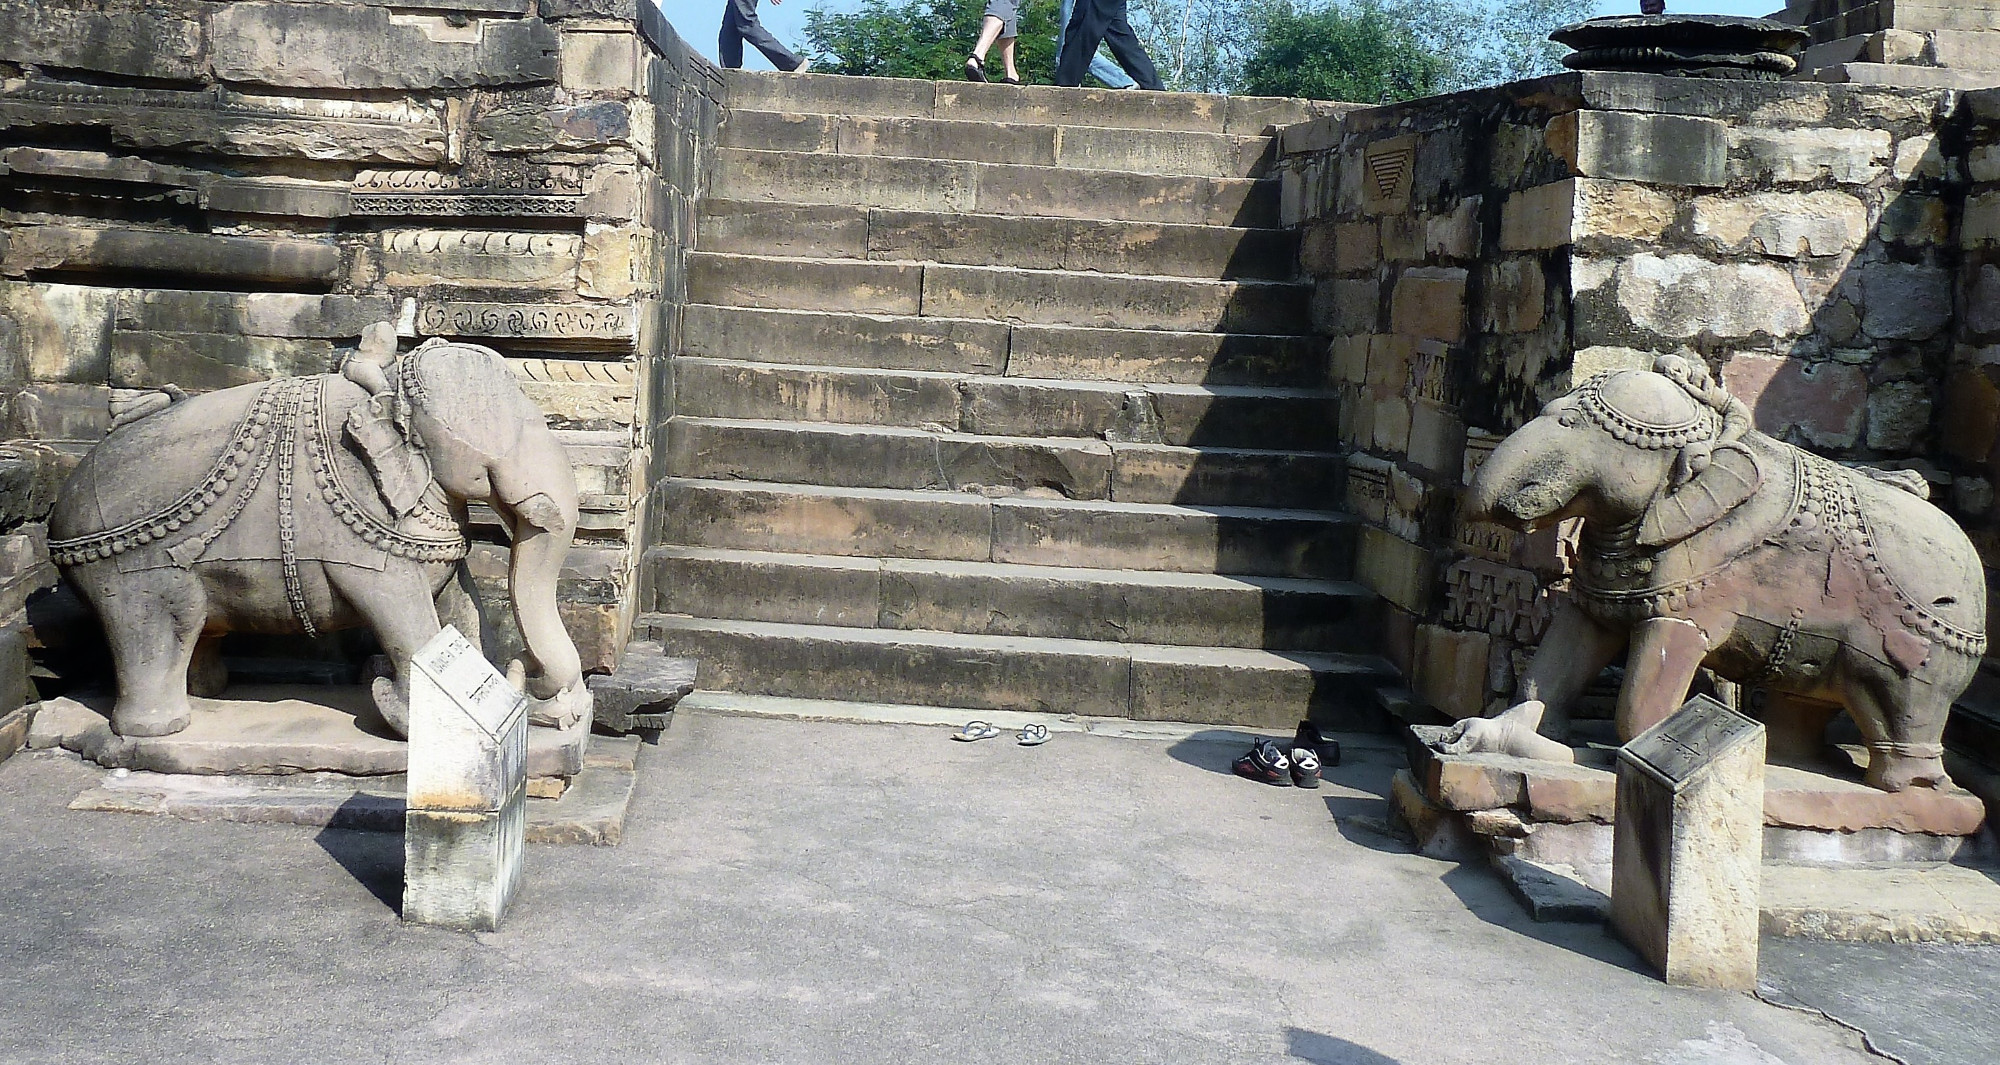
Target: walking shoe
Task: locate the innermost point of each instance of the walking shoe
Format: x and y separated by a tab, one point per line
975	70
1309	737
1305	768
1266	763
805	67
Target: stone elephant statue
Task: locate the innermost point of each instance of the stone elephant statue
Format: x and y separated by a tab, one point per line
308	504
1706	543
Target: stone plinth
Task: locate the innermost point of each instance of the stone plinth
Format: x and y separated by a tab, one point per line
1688	846
467	788
642	692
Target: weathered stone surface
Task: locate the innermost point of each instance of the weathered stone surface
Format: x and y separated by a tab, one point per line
1158	356
56	332
806	284
1845	156
133	43
1402	572
890	343
1429	302
1684	296
580	393
1274	543
1082	299
1623	210
719	389
1450	669
37	248
580	127
233	123
1784	225
201	362
1656	149
333	46
616	262
1515	296
1905	301
871	181
817	231
1825	402
642	691
267	314
604	62
1687	861
826	521
1540	218
1899	414
420	258
281	197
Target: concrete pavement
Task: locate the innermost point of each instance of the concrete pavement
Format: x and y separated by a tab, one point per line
819	892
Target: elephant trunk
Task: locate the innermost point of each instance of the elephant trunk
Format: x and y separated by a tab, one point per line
1526	480
535	489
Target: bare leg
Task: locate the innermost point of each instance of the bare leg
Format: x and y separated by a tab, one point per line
1573	652
1659	666
1007	56
989	31
397	604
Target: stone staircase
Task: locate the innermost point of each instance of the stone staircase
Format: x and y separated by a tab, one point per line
1005	399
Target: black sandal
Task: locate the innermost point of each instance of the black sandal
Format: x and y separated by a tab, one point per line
975	70
1010	81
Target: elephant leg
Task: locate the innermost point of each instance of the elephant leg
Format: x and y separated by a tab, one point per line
1903	722
207	676
153	619
396	602
1573	652
1659	665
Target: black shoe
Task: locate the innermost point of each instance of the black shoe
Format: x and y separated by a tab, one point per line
975	70
1308	737
1305	768
1265	763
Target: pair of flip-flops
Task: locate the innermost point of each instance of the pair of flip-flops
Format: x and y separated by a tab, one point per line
1030	736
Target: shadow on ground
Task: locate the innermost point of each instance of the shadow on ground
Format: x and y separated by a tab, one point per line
1328	1050
373	859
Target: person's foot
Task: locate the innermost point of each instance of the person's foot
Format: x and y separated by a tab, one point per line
975	70
805	67
1010	80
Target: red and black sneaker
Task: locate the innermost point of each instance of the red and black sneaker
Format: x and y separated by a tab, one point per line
1305	768
1267	763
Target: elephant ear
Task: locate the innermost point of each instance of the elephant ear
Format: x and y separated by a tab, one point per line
400	468
1730	477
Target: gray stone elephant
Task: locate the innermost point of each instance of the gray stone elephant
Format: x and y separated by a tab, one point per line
309	504
1706	543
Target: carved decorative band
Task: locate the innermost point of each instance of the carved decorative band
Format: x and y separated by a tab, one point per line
465	205
503	320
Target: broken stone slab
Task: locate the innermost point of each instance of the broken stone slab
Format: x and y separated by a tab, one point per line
33	248
233	123
269	729
200	362
324	46
267	314
1553	892
143	44
1937	903
278	197
642	691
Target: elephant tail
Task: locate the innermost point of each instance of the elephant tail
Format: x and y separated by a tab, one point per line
128	405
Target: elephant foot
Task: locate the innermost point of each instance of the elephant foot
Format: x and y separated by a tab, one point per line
561	710
145	721
1896	770
392	704
1513	732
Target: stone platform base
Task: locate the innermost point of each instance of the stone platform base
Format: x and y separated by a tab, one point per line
271	729
1559	814
590	810
1918	903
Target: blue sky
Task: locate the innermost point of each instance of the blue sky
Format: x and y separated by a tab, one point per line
698	20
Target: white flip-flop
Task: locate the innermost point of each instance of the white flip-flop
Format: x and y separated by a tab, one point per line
1033	735
975	730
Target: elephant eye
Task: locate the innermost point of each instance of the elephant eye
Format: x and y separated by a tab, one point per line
1570	418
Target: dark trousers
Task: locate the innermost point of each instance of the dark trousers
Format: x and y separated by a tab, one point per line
739	24
1103	21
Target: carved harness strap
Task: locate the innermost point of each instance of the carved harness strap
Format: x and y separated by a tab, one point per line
284	412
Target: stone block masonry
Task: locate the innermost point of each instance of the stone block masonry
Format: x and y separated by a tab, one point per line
207	195
1477	255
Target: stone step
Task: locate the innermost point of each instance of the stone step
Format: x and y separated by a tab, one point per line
1243	416
1141	151
1025	529
1034	104
846	231
978	346
1223	685
866	456
1035	297
1904	75
957	187
997	599
1967	49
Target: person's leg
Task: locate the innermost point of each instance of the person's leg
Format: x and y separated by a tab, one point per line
729	46
1104	70
1081	37
1007	57
752	29
1129	52
989	31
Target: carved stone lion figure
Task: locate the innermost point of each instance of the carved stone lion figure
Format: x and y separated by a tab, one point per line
1707	543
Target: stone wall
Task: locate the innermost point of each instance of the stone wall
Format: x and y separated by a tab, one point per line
206	194
1478	255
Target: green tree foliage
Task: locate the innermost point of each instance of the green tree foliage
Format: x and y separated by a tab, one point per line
925	39
1361	53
